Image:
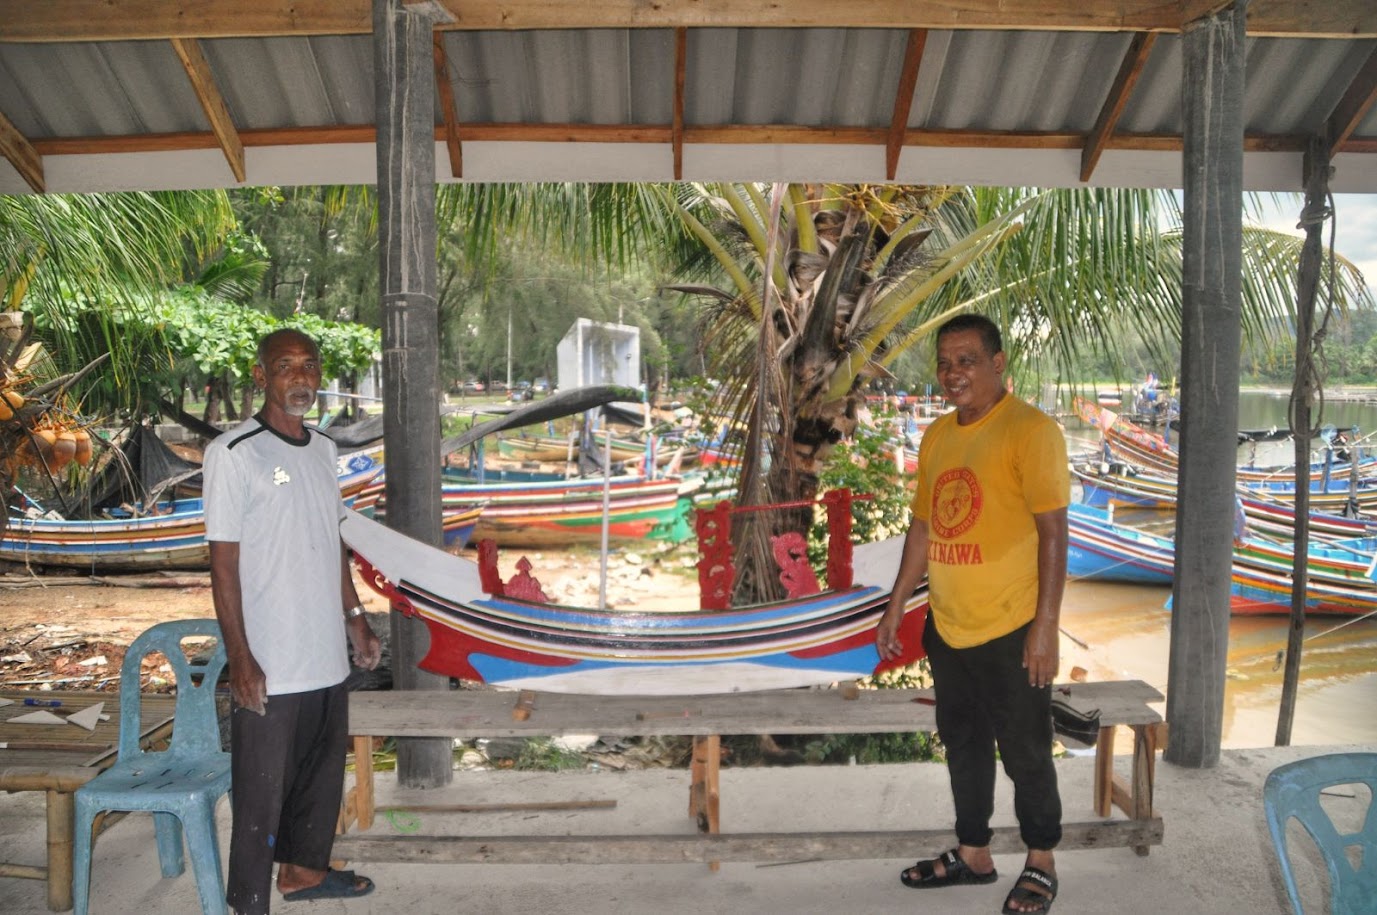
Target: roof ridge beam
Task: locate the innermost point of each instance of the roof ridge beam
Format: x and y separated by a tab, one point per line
213	103
123	20
1135	58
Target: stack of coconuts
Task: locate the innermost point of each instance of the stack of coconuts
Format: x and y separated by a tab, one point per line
36	435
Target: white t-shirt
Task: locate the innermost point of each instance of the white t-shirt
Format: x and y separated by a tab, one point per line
279	500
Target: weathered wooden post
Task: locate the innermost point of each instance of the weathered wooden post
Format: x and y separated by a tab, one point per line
405	101
1213	63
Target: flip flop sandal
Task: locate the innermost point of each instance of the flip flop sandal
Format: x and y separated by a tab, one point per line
1024	895
336	885
957	873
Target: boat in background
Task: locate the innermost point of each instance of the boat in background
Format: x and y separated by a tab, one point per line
169	534
1339	573
1128	443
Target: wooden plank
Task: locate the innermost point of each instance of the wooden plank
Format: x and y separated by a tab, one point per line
758	134
487	713
680	74
26	160
114	20
740	847
212	103
449	111
1104	771
1135	58
1354	106
903	99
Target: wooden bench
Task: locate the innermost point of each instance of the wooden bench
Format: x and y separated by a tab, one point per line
472	714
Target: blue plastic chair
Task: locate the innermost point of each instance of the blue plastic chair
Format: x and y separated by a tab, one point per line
180	785
1293	790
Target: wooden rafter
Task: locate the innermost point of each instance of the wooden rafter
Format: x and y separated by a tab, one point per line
903	99
26	160
449	112
677	128
1353	107
212	102
114	20
1135	58
663	133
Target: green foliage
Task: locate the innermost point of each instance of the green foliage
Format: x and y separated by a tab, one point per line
866	466
540	754
185	336
874	748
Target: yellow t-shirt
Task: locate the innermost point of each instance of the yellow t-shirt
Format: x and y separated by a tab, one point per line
978	489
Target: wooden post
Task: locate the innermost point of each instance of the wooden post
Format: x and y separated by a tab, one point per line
1214	49
404	92
1104	772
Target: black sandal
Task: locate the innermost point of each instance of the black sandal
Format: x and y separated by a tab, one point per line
957	873
1046	895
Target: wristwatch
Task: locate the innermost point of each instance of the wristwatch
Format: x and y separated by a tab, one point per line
353	612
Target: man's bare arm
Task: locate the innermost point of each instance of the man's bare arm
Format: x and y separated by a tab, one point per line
362	638
1041	649
912	567
248	684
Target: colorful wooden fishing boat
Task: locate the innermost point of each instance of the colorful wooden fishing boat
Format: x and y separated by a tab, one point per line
1100	550
169	535
543	450
558	512
1339	573
1117	484
570	511
1136	446
505	640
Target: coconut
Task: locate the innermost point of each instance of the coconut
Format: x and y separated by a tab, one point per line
64	448
83	447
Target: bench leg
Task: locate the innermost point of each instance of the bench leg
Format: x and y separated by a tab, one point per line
705	786
1144	769
61	826
357	804
1104	772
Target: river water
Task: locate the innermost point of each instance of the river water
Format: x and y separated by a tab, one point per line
1125	633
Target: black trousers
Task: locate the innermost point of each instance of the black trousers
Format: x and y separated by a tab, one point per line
287	778
983	699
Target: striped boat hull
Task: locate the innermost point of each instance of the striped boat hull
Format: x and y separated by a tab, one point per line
508	642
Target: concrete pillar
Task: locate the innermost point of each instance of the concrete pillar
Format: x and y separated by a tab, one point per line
405	100
1212	105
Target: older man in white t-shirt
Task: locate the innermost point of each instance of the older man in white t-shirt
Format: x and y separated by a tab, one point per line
288	613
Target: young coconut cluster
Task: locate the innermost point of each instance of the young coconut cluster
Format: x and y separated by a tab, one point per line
33	434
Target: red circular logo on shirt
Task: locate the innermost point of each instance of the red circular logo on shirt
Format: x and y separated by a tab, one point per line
955	503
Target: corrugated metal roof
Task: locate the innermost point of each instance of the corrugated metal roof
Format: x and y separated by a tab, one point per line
985	81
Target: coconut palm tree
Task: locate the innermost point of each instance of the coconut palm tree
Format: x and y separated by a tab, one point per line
827	285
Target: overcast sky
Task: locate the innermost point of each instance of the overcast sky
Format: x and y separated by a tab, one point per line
1356	229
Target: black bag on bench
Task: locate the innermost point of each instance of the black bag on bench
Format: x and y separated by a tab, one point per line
1082	727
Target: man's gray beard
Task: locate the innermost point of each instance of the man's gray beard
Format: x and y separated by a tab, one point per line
292	409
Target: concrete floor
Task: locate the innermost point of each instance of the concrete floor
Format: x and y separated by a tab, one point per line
1217	856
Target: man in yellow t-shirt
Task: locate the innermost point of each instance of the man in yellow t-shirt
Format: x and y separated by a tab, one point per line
989	531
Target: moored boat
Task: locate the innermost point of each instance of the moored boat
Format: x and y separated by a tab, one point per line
1339	573
170	534
508	641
